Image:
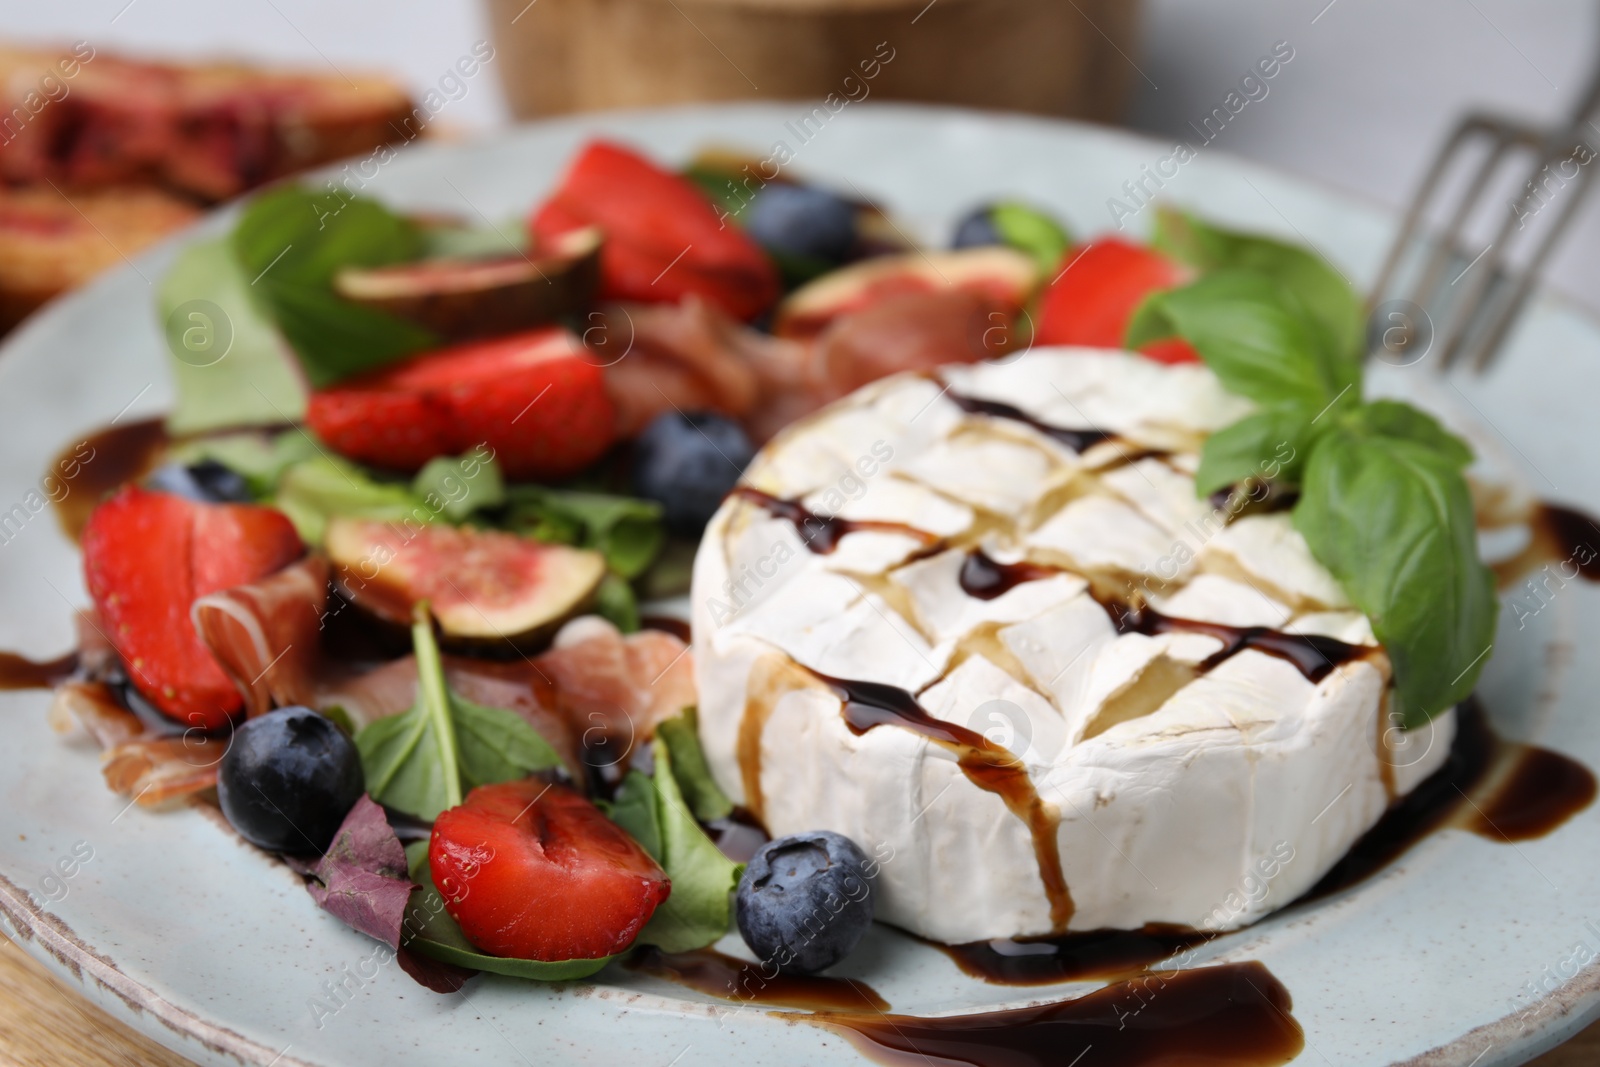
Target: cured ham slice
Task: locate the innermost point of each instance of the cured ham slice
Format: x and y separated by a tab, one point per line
266	634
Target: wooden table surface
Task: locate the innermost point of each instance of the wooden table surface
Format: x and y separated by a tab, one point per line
45	1024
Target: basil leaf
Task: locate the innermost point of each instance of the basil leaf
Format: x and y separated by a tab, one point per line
496	745
614	602
461	485
1392	519
430	931
653	811
228	364
1313	281
700	790
315	490
1030	230
1254	336
291	243
626	530
1271	444
411	760
1402	422
453	241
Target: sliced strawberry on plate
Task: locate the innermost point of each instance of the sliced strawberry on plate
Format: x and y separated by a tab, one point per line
1094	296
537	399
534	871
663	239
147	557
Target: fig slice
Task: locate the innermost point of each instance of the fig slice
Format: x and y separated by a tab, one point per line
1000	274
467	298
484	587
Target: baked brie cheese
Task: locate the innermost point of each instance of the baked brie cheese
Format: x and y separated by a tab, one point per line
980	623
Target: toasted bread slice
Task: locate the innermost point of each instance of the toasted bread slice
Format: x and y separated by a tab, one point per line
53	240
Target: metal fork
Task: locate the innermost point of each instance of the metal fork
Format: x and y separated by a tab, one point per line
1471	322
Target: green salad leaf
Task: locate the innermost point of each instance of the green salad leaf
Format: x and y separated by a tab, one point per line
460	485
1383	500
654	812
317	489
1314	282
430	930
291	242
626	530
229	365
705	798
1027	229
422	760
614	601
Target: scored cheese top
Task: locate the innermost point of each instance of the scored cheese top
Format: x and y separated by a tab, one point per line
1059	758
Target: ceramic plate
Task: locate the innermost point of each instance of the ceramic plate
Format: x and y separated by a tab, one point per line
1463	952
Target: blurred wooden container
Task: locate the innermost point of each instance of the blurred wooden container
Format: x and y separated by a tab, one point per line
1049	56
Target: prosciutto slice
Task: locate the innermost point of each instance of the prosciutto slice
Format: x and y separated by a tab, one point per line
266	634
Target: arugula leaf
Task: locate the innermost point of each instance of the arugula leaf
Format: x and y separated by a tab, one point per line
689	767
626	530
411	759
496	745
614	601
1402	422
460	485
229	365
653	811
429	930
1313	281
257	457
1254	336
1270	444
1392	519
292	242
1032	231
315	490
455	241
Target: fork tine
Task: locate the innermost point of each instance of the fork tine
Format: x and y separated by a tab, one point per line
1410	224
1444	246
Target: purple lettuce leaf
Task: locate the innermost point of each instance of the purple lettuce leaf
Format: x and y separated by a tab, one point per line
362	880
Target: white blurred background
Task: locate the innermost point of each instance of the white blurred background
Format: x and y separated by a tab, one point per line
1372	88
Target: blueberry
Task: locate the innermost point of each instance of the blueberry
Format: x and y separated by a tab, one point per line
977	230
805	901
207	481
802	221
288	780
688	463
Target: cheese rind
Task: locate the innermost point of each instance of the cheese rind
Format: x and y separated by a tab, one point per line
1176	787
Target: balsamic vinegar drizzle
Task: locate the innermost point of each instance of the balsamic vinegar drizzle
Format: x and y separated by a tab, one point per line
868	705
102	462
721	975
20	672
1235	1013
1077	440
983	578
822	533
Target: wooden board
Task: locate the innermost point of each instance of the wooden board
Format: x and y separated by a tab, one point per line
43	1024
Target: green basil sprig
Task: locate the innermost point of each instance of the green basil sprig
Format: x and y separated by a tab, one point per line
1384	503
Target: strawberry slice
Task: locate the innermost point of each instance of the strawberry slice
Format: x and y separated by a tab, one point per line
147	557
1095	295
534	871
532	397
663	239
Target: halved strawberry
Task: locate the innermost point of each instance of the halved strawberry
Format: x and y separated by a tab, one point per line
663	239
534	871
1095	295
532	397
147	557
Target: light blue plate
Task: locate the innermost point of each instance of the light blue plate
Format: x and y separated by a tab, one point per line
1464	952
